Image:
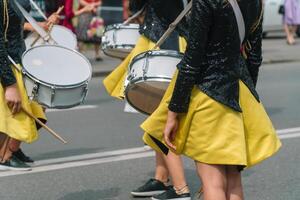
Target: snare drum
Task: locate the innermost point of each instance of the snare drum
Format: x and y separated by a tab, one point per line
55	76
149	76
62	35
119	39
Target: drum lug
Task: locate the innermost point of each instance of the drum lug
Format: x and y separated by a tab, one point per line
145	66
34	92
52	94
115	37
84	92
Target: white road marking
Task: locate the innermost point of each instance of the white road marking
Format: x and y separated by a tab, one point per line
110	156
83	107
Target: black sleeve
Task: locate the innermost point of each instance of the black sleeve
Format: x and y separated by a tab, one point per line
254	58
6	75
136	5
190	66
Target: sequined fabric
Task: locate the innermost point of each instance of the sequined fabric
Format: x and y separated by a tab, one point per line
213	60
14	46
159	14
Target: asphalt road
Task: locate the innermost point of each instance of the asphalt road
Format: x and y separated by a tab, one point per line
95	131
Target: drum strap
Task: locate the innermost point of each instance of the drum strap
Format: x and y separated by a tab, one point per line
239	19
173	25
134	16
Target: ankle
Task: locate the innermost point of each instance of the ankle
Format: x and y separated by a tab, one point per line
182	190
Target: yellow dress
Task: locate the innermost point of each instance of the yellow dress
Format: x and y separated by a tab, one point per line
213	133
114	82
20	126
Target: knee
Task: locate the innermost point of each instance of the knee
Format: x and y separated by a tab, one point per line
234	180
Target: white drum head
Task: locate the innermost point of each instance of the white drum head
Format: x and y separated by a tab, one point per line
63	36
56	65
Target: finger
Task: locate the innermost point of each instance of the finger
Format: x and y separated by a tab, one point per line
14	108
10	104
169	143
19	106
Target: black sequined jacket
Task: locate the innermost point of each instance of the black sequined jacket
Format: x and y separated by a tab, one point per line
213	59
14	45
159	14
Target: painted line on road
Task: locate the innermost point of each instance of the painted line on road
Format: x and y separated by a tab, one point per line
111	156
83	107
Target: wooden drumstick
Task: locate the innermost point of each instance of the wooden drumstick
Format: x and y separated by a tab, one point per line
53	133
59	10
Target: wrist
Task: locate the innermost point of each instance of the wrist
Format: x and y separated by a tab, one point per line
172	114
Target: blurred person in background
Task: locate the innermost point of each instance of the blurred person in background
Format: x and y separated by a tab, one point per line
90	26
291	19
70	13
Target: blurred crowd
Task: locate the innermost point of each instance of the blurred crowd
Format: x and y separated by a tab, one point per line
83	18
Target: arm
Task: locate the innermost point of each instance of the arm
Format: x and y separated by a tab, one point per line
254	59
190	66
6	75
69	14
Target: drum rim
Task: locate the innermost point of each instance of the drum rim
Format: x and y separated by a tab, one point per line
26	72
162	52
121	25
60	27
139	80
115	46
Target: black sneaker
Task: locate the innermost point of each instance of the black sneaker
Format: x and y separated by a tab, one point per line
170	194
21	156
150	188
14	164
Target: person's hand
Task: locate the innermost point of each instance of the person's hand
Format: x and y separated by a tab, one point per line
88	8
53	19
44	25
171	129
13	98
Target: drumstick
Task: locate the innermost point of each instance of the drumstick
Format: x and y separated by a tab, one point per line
32	116
59	10
134	16
53	133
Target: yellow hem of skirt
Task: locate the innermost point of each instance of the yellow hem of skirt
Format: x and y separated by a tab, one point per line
20	126
215	134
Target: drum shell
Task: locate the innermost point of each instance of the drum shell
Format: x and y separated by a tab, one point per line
151	71
55	96
119	39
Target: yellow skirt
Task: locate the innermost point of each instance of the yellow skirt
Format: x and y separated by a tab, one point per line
114	82
20	126
213	133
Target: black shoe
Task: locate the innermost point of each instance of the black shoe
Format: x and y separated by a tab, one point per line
21	156
14	164
150	188
170	194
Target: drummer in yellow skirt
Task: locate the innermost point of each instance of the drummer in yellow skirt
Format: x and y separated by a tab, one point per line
15	126
211	111
155	24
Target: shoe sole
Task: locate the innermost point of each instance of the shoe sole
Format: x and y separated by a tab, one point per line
4	168
183	198
147	194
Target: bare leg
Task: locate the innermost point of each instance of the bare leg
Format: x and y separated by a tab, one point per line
289	36
213	180
176	171
97	52
161	171
234	184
